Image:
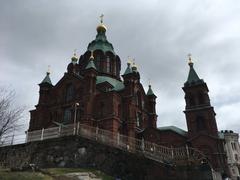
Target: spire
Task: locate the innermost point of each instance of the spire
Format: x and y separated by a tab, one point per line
150	91
129	68
47	77
91	63
74	58
192	75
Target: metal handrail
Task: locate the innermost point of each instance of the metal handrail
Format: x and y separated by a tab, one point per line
148	149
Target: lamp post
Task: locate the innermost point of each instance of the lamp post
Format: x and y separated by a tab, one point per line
75	117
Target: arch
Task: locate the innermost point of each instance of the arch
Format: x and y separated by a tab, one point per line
200	123
70	92
201	99
67	116
191	100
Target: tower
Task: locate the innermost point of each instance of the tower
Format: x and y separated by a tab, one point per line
199	113
201	122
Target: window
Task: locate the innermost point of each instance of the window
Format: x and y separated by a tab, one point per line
200	98
234	146
119	110
108	65
138	119
200	123
236	157
69	92
191	101
114	68
139	100
98	62
101	109
67	115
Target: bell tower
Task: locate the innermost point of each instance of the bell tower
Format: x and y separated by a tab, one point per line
199	113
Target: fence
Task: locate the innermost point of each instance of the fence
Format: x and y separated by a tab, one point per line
148	149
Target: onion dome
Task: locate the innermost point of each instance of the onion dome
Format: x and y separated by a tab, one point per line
101	42
74	58
134	67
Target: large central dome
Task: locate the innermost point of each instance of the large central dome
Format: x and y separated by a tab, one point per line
101	42
106	61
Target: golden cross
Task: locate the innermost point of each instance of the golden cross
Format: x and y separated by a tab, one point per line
101	18
129	60
75	52
48	70
149	82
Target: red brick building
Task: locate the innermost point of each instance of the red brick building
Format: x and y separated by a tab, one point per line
92	92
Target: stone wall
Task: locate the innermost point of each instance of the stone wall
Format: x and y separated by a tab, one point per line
74	151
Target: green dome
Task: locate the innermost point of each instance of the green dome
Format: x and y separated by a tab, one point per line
101	43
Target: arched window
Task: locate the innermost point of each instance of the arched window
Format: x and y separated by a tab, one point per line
98	62
101	109
67	115
138	119
191	100
108	65
200	123
139	100
114	67
201	99
119	111
69	92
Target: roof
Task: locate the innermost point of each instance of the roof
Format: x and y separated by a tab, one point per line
221	135
193	77
117	85
174	129
128	69
101	43
150	92
91	65
47	79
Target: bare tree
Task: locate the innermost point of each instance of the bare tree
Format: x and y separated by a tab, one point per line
10	114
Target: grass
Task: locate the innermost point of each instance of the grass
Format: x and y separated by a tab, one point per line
49	174
6	174
61	171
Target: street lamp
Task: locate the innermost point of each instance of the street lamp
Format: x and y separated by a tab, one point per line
75	117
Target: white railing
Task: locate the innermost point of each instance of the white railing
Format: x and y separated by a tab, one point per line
148	149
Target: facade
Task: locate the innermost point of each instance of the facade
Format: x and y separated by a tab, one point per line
233	152
92	92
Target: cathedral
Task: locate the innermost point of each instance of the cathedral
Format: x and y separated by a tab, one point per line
93	92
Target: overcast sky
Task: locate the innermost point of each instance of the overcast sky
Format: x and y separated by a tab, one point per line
158	34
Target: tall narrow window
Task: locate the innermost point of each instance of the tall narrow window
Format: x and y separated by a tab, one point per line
139	99
114	67
108	66
98	62
67	115
191	100
137	120
201	99
69	92
200	123
101	109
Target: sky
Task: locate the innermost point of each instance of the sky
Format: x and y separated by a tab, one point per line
157	34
